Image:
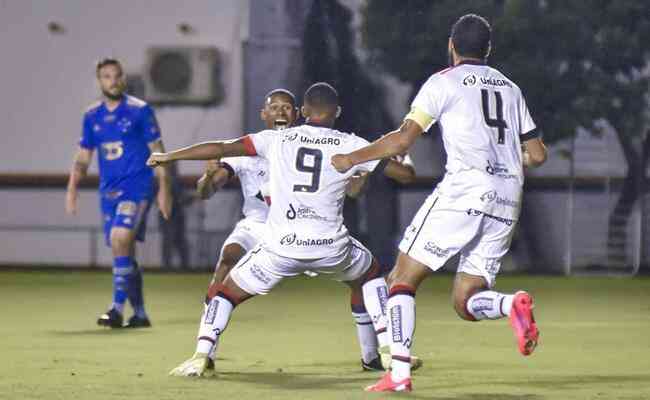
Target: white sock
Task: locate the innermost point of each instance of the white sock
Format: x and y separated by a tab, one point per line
489	304
375	295
366	335
401	327
213	322
213	350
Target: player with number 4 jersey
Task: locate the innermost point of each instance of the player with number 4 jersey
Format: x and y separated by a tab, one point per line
484	122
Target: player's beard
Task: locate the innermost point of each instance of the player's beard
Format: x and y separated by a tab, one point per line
111	96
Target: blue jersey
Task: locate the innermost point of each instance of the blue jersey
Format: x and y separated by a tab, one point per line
121	138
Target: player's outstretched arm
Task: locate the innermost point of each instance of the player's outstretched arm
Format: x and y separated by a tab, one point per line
79	169
202	151
392	144
212	179
535	153
164	197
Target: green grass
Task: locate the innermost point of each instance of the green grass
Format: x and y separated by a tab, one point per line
300	343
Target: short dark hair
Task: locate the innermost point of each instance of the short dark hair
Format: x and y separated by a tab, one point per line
322	95
281	91
108	61
471	36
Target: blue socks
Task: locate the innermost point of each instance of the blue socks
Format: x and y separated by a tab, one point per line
127	283
136	296
122	272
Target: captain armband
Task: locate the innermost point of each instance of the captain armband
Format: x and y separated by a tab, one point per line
420	117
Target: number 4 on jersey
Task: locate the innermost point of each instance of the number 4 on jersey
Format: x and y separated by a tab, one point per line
499	122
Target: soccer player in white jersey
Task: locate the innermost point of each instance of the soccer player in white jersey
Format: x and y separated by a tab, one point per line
473	211
305	230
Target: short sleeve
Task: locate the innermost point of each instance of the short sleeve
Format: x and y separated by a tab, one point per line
368	166
149	125
528	129
232	164
260	143
87	140
427	105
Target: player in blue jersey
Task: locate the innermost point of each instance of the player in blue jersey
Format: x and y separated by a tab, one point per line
124	131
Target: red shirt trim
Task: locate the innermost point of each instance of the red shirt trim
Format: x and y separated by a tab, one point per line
249	146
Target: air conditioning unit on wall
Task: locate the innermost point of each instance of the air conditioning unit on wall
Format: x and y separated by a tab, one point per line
182	75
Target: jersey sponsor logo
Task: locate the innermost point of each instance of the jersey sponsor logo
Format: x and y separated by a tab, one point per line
469	80
495	82
292	239
257	272
396	323
127	208
124	124
499	170
304	213
288	239
109	118
211	313
475	213
382	295
436	250
112	150
290	137
320	140
492	196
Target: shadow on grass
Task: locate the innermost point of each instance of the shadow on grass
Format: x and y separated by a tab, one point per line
314	381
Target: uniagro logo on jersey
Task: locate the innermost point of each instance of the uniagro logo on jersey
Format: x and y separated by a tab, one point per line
492	195
469	80
291	239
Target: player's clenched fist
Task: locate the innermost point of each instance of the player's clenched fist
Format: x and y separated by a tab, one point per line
156	159
341	163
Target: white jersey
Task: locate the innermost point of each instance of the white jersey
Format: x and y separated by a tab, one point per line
253	177
306	216
483	118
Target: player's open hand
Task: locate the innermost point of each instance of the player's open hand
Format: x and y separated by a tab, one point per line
341	163
156	159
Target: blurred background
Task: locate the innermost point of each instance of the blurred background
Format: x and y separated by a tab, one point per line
205	66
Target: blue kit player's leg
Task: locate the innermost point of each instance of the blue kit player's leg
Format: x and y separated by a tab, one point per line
140	318
123	221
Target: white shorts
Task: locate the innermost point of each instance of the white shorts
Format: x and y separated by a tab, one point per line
260	269
437	234
247	234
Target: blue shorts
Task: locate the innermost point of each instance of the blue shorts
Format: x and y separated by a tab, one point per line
125	210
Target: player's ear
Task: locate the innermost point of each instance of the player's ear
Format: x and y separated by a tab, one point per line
338	111
263	114
304	111
489	50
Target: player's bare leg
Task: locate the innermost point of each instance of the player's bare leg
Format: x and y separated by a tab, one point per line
228	295
400	309
122	241
474	301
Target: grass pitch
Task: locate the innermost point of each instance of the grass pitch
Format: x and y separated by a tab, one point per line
300	343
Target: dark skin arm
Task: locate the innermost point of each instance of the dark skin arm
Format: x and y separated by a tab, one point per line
535	153
201	151
392	144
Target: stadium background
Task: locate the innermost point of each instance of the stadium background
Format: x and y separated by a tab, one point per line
47	70
585	211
